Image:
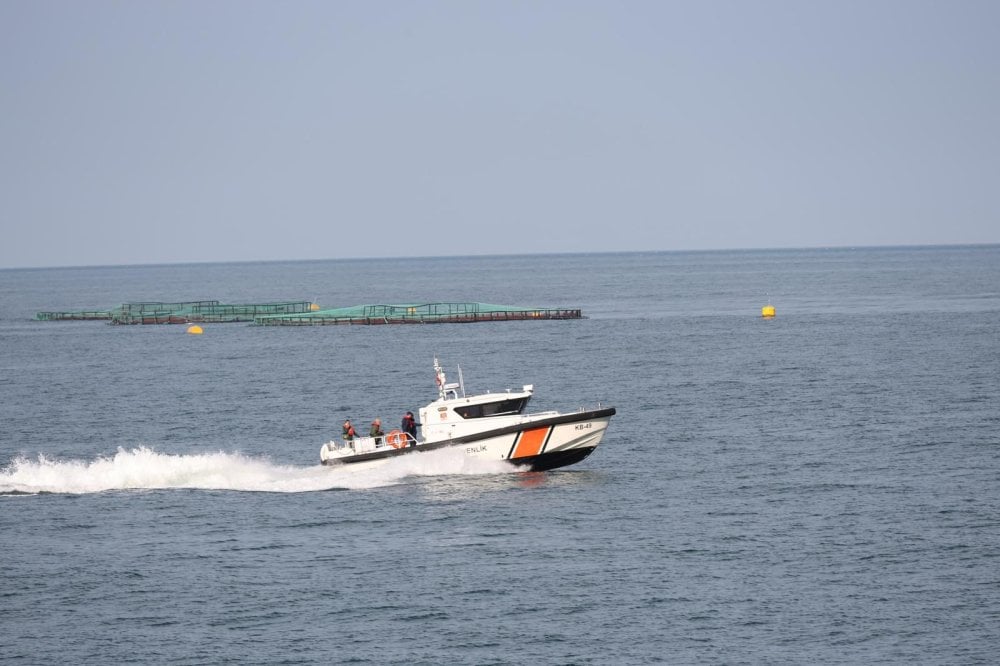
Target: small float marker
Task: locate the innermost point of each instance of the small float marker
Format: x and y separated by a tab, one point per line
195	329
767	311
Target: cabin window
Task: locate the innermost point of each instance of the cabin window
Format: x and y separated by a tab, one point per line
502	408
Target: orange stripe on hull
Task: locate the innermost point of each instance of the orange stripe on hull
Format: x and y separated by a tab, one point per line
530	442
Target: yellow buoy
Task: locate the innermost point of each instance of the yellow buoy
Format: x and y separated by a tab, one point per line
314	306
195	329
767	311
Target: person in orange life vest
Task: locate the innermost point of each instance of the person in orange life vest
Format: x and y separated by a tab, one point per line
409	426
349	433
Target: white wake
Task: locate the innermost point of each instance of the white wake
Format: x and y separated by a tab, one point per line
145	469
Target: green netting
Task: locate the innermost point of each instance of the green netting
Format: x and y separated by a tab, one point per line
299	313
202	311
416	313
71	316
182	312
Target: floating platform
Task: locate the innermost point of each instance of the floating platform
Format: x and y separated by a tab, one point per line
423	313
185	312
304	313
208	312
73	316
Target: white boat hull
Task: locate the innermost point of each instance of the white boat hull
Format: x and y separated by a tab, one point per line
538	443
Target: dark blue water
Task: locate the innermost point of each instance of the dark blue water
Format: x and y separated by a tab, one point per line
823	487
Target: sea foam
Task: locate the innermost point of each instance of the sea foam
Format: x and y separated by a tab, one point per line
142	468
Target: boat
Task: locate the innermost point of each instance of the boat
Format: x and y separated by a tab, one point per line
493	426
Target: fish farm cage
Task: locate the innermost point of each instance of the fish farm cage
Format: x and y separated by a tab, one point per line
423	313
83	315
185	312
305	313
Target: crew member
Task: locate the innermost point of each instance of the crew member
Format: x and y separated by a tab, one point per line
409	426
376	431
349	433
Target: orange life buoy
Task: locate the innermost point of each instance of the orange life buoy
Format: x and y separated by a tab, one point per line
396	439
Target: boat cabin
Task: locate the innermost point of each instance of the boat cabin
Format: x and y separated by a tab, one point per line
454	416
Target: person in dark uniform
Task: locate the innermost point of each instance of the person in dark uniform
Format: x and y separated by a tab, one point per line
409	426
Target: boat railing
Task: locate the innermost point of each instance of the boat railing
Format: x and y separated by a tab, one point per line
550	412
555	412
395	439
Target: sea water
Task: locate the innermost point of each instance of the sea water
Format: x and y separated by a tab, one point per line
822	487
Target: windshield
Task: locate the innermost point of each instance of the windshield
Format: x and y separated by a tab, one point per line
501	408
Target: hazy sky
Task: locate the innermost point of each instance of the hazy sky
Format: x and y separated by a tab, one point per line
147	132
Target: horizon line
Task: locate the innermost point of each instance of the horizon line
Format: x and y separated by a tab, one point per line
504	254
